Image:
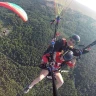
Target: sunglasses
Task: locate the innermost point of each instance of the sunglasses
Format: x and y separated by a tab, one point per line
73	41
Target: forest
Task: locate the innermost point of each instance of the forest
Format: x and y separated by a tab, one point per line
22	47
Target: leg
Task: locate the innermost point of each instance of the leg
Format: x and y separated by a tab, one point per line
59	79
42	75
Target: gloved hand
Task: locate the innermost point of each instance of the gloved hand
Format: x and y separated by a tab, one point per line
53	41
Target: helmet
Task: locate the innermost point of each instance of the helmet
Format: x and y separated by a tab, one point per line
68	56
76	38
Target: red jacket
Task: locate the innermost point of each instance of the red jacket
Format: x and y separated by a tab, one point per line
57	59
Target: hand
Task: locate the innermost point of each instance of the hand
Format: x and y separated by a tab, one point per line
53	41
53	63
73	60
88	49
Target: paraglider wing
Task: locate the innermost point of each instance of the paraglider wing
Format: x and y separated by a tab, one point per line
16	9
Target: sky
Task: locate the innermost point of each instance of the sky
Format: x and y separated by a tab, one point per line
88	3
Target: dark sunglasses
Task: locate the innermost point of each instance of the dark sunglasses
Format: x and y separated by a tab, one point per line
73	41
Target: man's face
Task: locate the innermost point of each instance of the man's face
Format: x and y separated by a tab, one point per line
71	42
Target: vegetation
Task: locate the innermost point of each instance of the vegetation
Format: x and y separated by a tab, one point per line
22	48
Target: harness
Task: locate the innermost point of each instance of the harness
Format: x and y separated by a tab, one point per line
60	46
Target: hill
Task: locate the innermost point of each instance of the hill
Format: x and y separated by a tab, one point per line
74	5
21	50
83	9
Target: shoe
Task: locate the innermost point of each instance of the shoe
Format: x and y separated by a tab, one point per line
49	77
26	90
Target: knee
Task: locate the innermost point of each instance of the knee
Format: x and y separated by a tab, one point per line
41	77
61	82
43	74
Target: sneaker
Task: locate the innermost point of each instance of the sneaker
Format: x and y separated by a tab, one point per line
49	77
26	90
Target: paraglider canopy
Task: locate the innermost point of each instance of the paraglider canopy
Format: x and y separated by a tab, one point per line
16	9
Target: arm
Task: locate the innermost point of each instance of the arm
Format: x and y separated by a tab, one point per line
71	64
78	52
54	57
84	51
73	61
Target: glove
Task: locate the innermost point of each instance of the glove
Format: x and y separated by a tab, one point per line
53	41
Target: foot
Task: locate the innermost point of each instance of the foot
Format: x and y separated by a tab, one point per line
49	77
26	90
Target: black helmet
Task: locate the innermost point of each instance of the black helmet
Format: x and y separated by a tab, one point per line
68	56
76	38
